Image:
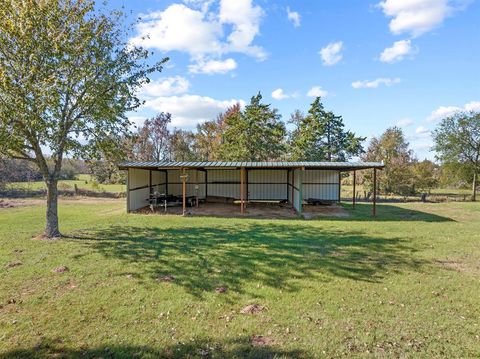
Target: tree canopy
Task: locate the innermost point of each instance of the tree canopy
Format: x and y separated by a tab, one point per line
457	142
67	79
393	150
321	136
254	134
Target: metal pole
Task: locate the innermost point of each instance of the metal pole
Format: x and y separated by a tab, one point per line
374	208
184	190
241	191
354	191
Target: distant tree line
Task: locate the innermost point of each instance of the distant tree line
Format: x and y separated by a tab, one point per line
256	133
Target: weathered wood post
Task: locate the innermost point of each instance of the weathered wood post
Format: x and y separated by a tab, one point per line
242	191
354	191
374	208
184	190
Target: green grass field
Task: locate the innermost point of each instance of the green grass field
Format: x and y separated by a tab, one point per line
403	285
83	181
435	193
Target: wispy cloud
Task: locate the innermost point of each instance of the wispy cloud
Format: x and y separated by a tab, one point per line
317	91
371	84
331	54
447	111
398	51
294	17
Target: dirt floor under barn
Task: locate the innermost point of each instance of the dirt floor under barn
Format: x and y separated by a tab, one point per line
253	210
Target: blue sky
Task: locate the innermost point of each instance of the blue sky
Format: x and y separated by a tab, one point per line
376	63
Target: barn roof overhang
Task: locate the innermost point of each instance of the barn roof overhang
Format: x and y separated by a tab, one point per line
166	165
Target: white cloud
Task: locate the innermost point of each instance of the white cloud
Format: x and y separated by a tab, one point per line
137	121
294	17
165	86
317	91
417	17
203	33
375	83
213	66
398	51
404	122
188	110
473	106
181	28
331	54
279	94
244	18
447	111
422	131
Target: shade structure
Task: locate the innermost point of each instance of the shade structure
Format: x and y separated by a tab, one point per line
242	183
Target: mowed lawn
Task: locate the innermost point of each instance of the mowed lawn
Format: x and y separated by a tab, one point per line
406	284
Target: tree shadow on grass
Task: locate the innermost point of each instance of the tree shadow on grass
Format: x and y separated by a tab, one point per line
198	348
389	213
269	254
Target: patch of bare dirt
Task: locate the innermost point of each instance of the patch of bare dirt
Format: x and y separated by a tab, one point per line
13	264
252	309
260	340
61	269
42	237
221	289
452	265
166	278
6	204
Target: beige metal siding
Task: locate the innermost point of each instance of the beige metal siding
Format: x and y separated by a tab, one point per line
158	182
138	181
224	183
297	183
267	185
193	176
321	184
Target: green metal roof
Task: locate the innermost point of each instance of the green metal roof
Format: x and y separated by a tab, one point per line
222	164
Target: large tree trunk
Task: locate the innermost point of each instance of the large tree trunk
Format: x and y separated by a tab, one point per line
51	228
474	187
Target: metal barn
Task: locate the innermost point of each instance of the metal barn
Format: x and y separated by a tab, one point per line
191	183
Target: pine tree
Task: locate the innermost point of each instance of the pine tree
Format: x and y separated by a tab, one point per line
255	134
320	136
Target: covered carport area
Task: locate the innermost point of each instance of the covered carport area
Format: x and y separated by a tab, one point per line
173	185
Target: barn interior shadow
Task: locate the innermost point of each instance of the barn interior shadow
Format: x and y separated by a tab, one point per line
197	348
278	255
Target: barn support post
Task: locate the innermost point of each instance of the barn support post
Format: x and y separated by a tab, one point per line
166	182
300	190
293	188
246	186
206	186
354	197
150	182
197	188
374	207
242	191
184	192
288	183
128	191
339	186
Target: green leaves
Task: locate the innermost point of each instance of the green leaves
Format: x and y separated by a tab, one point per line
68	76
393	150
320	136
254	134
457	142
